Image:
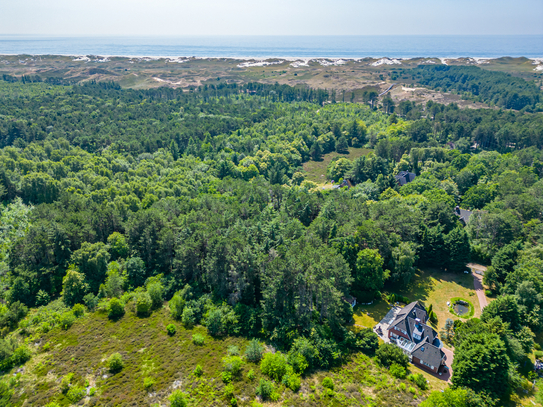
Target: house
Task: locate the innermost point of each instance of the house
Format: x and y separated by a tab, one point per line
419	341
463	214
349	299
346	183
405	177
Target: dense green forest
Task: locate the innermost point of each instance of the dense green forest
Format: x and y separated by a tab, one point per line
128	198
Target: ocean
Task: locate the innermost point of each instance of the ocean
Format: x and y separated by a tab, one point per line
445	46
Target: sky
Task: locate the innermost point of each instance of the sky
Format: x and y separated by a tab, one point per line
271	17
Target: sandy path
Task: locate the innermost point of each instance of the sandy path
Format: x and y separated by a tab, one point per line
478	284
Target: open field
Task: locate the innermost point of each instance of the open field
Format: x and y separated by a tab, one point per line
149	352
316	170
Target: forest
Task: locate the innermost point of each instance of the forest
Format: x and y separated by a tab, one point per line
117	198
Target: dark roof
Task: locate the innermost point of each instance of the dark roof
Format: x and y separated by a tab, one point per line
463	214
428	353
406	320
404	177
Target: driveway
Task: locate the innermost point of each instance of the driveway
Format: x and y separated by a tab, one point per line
478	283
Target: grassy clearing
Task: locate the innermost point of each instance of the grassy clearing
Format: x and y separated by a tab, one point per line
429	286
316	170
156	363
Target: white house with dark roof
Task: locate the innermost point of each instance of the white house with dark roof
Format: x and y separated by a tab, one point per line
419	341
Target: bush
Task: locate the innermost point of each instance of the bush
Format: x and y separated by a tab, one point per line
387	354
254	351
177	305
91	301
537	346
538	354
148	382
293	382
52	404
232	364
412	390
156	292
397	371
265	389
328	383
488	293
403	387
251	375
188	318
65	383
21	355
115	363
143	304
171	329
198	371
226	377
233	350
178	399
76	393
115	309
78	310
67	319
419	380
298	362
198	339
228	391
274	365
433	317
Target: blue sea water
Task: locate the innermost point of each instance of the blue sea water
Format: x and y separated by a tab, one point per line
491	46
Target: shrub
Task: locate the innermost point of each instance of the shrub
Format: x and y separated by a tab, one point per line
226	377
171	329
328	383
188	318
274	365
233	350
115	363
387	354
198	339
412	390
143	304
419	380
91	301
488	293
198	371
367	341
76	393
177	305
65	383
293	382
156	292
148	382
538	354
52	404
228	391
251	375
115	309
254	351
298	362
21	355
232	364
178	399
67	319
265	389
403	386
537	346
397	371
78	310
433	317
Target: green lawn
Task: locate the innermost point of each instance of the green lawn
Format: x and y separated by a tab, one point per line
429	286
316	170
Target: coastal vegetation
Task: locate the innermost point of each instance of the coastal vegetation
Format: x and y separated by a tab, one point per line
167	246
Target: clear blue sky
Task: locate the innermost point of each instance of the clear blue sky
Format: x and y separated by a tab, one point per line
271	17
